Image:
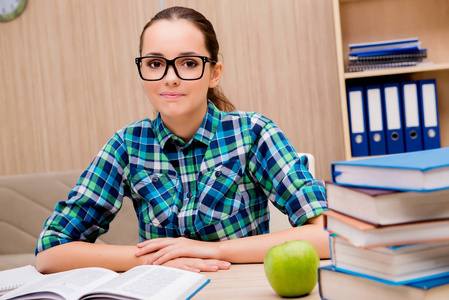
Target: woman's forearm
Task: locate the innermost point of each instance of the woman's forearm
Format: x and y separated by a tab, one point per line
242	250
253	249
82	254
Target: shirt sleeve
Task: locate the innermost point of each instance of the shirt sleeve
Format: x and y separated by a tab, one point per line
92	204
283	175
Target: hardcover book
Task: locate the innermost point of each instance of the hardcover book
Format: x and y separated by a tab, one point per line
335	285
392	265
421	171
367	235
387	207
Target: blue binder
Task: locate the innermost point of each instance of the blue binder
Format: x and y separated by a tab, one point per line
389	44
429	114
375	117
411	109
393	118
410	50
357	121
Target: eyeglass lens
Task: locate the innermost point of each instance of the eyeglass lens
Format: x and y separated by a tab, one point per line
186	67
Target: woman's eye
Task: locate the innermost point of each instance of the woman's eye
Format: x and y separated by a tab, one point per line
190	64
155	64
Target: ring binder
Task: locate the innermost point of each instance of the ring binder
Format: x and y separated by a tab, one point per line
377	145
393	118
429	114
412	124
357	121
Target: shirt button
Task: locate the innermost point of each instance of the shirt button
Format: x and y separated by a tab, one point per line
187	233
189	195
185	152
155	179
218	174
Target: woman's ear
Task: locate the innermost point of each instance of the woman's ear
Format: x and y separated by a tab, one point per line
216	75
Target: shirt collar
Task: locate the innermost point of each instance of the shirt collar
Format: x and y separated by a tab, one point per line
161	132
204	134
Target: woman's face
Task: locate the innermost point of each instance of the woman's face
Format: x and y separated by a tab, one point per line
173	97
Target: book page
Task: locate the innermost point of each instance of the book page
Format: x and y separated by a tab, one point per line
15	278
152	282
70	284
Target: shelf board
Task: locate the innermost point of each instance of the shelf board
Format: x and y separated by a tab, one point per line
394	71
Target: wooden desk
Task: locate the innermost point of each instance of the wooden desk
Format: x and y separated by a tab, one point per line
244	281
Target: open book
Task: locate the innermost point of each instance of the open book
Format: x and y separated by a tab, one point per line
141	282
15	278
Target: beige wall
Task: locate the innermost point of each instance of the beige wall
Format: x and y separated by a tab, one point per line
68	80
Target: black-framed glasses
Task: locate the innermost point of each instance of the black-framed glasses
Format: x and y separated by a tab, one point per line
188	67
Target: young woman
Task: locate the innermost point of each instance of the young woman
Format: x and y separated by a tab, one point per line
200	175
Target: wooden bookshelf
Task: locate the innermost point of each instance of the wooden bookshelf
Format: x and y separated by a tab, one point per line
358	21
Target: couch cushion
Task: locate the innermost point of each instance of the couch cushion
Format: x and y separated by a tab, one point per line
26	201
11	261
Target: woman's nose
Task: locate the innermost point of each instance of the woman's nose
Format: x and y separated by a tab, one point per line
171	77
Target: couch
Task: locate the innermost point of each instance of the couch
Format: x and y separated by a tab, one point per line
26	201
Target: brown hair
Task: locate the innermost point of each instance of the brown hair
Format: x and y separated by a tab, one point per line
215	94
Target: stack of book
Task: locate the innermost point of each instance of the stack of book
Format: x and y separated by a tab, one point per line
388	218
385	54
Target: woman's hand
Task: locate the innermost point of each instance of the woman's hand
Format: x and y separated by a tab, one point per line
167	249
198	264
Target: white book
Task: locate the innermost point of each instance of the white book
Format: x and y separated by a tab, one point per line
141	282
15	278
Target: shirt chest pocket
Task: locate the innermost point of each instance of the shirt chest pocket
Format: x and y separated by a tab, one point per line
219	193
156	197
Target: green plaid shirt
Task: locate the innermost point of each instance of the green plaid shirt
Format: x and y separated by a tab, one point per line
215	187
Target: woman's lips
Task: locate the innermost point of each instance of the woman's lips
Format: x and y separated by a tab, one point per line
171	95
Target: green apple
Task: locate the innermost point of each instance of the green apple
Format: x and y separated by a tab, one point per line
292	268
